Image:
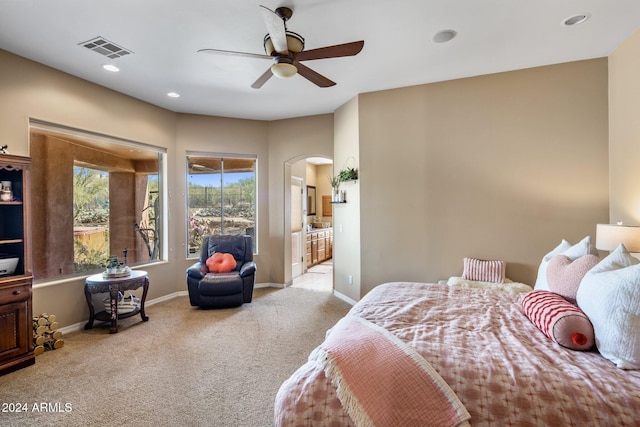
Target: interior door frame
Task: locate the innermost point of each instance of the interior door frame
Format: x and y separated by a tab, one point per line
286	224
297	267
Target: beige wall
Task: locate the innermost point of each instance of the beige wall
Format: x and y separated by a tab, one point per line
31	90
624	132
496	167
208	134
290	141
500	166
348	217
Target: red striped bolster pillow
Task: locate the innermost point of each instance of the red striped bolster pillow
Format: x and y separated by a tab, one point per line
559	320
484	271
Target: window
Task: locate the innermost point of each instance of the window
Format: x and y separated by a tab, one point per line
93	196
221	197
90	218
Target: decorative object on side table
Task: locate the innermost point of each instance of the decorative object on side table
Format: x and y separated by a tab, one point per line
115	269
126	304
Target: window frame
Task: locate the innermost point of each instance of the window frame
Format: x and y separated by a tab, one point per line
223	156
92	140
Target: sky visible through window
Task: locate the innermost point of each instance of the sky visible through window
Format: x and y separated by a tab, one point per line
211	179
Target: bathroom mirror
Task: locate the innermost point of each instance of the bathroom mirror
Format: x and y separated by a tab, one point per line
311	200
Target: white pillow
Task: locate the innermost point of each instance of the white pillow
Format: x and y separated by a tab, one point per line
583	247
508	285
609	295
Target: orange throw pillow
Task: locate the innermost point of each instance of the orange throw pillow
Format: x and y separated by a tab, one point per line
221	262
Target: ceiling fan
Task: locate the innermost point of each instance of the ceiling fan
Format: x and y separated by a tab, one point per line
286	49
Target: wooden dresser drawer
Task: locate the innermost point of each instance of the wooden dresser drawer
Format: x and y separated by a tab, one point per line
15	293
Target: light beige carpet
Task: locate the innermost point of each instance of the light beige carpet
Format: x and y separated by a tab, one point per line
185	367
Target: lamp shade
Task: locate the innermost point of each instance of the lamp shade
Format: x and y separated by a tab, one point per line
609	237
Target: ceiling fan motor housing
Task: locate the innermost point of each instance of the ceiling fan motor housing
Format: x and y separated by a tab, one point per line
295	43
284	12
288	52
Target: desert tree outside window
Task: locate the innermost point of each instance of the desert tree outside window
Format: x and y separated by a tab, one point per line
221	197
90	218
93	196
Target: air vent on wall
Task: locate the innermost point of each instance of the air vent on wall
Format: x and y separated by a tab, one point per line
106	48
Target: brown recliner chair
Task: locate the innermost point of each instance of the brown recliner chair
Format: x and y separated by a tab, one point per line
221	290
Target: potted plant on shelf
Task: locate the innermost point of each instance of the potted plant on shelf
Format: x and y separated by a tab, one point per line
348	174
335	187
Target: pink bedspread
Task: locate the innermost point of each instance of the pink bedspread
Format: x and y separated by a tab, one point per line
382	381
502	368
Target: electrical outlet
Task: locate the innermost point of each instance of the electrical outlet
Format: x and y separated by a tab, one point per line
350	279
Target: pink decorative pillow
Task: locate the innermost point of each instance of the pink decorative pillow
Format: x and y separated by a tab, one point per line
564	275
484	271
221	262
559	320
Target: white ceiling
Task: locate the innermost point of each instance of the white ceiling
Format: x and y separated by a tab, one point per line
164	35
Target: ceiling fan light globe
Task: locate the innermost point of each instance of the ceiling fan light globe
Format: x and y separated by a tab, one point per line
284	70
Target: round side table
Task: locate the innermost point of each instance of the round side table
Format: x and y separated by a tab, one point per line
99	284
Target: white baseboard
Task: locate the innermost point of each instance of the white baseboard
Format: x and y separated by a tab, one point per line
269	285
80	325
344	297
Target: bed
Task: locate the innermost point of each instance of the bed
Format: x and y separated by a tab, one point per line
500	367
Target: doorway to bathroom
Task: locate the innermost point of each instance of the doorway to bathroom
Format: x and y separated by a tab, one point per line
311	224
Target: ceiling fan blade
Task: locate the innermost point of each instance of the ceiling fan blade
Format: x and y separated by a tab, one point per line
262	79
276	29
335	51
233	53
313	76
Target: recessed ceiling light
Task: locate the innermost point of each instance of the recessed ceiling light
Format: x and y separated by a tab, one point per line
576	19
444	36
111	67
173	95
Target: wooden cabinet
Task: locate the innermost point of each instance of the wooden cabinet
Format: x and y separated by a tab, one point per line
308	252
314	248
16	332
327	206
319	246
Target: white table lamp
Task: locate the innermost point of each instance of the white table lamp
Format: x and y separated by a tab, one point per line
609	237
